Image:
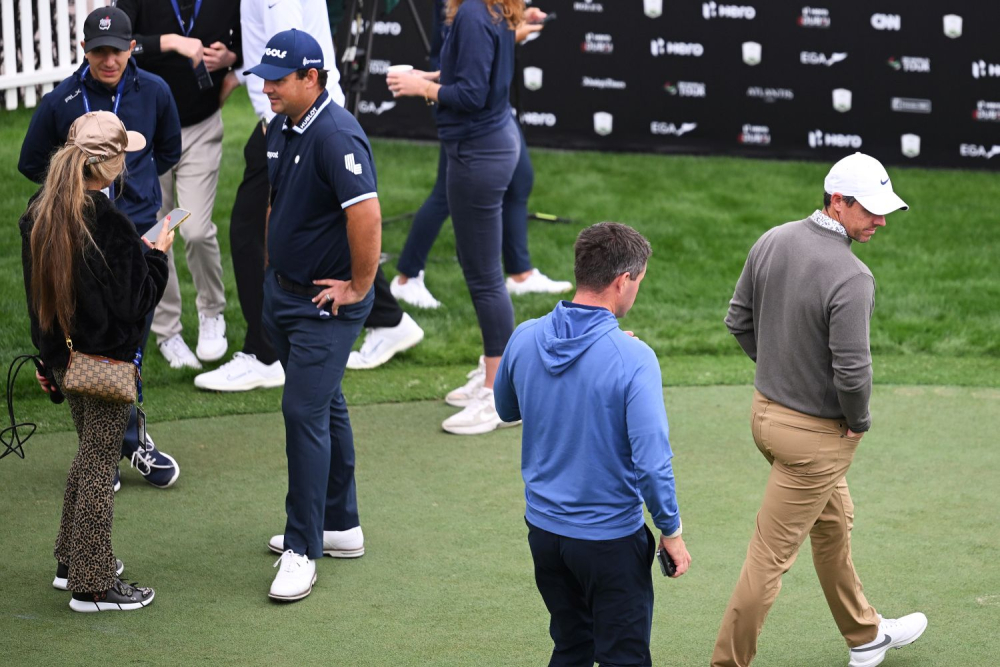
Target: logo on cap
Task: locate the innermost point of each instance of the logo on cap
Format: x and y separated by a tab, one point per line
275	53
306	61
105	23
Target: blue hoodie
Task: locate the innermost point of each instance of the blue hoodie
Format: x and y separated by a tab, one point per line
146	107
594	443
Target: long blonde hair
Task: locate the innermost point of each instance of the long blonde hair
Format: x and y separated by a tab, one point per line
60	234
512	11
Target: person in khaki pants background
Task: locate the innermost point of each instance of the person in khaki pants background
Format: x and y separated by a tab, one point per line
801	311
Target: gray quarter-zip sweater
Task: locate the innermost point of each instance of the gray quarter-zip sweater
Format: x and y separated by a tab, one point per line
801	311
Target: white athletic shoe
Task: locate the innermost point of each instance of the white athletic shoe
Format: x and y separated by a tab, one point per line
479	416
414	292
336	543
538	282
242	373
176	351
463	395
295	578
212	343
892	633
383	343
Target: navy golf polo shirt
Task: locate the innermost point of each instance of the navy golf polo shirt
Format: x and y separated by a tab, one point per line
317	168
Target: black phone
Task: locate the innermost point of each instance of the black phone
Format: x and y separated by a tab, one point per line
551	16
667	566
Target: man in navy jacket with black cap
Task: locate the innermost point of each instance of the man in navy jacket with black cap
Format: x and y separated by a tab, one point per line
324	237
109	80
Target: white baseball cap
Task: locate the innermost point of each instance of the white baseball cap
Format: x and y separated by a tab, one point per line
864	178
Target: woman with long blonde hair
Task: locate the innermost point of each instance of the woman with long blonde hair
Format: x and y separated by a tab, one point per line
482	144
89	281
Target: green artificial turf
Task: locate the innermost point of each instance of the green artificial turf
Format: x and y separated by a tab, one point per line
447	580
937	307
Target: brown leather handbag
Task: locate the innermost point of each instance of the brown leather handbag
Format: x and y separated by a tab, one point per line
98	377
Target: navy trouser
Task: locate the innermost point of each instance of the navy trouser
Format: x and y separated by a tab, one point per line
428	220
479	172
599	594
313	347
130	443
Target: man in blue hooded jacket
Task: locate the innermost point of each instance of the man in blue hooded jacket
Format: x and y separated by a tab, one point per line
588	468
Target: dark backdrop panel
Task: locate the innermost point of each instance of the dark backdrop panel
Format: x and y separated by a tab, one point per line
907	82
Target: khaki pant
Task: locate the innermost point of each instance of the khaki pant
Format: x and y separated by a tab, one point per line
806	494
195	178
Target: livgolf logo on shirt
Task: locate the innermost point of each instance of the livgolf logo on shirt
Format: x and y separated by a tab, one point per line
660	47
910	64
603	123
713	10
816	58
952	26
275	53
752	53
596	42
755	135
821	139
887	21
105	23
978	150
986	111
685	88
842	99
532	78
814	17
606	83
351	165
670	129
538	119
909	144
910	105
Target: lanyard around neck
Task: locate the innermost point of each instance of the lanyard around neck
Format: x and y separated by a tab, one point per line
180	21
114	109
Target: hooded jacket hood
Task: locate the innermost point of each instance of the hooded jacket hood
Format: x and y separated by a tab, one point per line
569	331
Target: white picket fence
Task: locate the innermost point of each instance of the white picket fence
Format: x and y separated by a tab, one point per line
52	35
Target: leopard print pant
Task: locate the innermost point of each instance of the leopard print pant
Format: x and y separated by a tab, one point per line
84	541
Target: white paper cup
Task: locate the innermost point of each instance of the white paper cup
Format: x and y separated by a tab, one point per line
399	69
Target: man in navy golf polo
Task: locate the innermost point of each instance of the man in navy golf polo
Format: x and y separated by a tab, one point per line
323	242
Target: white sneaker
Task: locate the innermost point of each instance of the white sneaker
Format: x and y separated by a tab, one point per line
336	543
212	343
176	351
479	416
538	282
414	292
892	633
242	373
382	343
295	578
463	395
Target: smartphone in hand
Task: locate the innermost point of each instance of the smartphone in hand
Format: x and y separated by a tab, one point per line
667	566
176	217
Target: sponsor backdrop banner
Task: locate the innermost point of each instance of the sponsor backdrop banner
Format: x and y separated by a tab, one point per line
908	82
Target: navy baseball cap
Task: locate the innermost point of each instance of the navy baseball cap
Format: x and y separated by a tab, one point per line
287	52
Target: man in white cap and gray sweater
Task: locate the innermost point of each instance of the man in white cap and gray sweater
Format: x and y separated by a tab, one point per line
801	311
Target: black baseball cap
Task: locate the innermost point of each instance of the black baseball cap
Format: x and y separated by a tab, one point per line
107	26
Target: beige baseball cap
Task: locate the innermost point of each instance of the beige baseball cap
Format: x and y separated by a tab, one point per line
101	136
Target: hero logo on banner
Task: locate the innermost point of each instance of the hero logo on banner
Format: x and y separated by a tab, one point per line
713	10
538	119
755	135
660	47
952	25
910	64
752	53
378	67
380	28
365	106
602	84
982	70
588	6
887	21
910	145
532	78
814	17
595	42
910	105
842	99
603	123
816	58
685	88
661	128
976	150
770	94
820	139
987	111
652	8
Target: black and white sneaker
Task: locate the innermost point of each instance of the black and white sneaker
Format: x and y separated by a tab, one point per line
120	597
62	571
